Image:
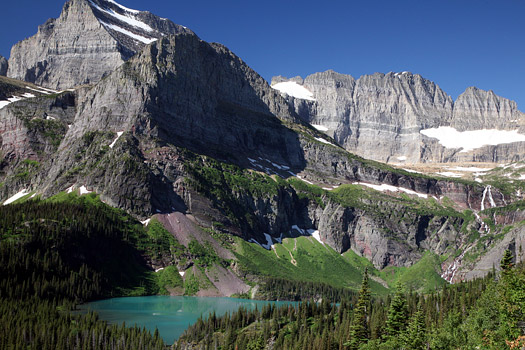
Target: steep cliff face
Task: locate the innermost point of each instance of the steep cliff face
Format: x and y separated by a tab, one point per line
88	41
3	66
179	91
33	122
385	117
478	109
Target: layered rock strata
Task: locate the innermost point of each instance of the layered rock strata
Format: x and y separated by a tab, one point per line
88	41
384	117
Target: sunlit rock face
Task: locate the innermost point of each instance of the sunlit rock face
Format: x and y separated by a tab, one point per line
89	40
385	117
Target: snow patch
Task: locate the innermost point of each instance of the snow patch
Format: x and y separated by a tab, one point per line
123	7
324	141
129	19
84	190
320	127
10	100
470	140
182	273
449	174
39	91
16	197
300	178
128	33
412	171
402	158
390	188
145	222
295	90
119	134
470	169
4	103
315	234
157	270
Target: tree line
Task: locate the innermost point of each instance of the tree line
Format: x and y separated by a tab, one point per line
486	313
56	255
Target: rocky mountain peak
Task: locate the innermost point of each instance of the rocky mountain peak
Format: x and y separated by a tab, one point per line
86	42
389	114
3	66
480	109
133	28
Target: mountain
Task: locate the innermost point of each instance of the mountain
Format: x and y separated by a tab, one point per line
185	134
3	66
395	115
86	42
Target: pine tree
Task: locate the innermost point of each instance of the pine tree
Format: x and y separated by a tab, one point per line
415	336
397	313
506	261
359	329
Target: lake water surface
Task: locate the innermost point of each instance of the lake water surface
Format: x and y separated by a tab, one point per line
171	315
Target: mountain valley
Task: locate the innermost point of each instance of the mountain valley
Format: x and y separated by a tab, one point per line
208	181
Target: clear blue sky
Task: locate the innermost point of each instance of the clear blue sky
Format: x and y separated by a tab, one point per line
455	43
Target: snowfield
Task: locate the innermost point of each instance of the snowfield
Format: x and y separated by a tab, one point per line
128	33
390	188
16	196
470	140
320	127
295	90
129	19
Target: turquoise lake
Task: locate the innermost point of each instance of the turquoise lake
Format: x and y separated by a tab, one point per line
171	315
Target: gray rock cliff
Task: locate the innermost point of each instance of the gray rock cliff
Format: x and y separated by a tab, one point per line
3	66
478	109
89	40
380	116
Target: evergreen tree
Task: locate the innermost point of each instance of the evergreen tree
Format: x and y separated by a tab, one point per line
415	336
506	261
397	313
359	329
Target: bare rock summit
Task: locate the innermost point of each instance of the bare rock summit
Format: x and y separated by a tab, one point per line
88	41
404	118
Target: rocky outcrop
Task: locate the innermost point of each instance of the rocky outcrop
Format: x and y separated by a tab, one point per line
381	116
390	235
88	41
3	66
513	240
30	132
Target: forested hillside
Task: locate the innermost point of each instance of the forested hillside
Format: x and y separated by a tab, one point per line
54	255
485	313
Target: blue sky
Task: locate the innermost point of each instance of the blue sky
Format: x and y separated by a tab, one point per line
455	43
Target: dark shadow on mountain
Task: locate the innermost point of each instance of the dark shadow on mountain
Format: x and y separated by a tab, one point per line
208	101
